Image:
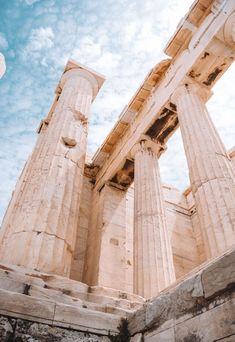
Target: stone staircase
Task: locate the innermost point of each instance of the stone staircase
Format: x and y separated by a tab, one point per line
63	302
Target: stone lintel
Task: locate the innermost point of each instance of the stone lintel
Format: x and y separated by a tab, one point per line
131	110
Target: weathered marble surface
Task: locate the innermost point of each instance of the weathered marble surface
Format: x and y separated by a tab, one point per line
39	228
153	260
25	331
200	309
59	301
210	169
106	220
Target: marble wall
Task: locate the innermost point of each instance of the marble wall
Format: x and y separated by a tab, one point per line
104	244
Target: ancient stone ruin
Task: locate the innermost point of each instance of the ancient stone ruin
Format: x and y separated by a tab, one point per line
101	250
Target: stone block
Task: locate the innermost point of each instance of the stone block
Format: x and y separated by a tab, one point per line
16	281
137	321
212	325
118	311
186	297
184	300
159	310
220	275
26	307
105	291
137	338
163	336
34	332
105	300
7	282
85	320
53	295
64	284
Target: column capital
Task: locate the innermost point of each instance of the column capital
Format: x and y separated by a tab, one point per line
75	74
190	87
229	30
146	144
77	70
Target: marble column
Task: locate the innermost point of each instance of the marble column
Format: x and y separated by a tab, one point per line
2	65
210	170
38	231
153	260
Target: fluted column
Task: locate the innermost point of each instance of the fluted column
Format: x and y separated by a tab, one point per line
153	261
210	170
38	231
2	65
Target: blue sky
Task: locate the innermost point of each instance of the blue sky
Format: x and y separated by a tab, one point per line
121	39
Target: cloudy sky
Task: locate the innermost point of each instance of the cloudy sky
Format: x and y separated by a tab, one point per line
121	39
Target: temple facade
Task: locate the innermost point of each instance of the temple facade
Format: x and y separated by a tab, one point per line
106	230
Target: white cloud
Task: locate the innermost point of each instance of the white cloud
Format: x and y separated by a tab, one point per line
31	2
40	39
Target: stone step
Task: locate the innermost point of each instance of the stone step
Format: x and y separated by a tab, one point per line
64	284
121	303
50	280
17	282
55	295
119	311
109	292
67	291
57	314
37	288
59	297
105	304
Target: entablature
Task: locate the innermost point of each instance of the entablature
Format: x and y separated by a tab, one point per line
151	110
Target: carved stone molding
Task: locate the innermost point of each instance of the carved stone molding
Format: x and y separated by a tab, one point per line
152	146
189	87
229	30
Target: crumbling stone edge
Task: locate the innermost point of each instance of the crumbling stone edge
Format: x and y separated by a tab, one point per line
210	287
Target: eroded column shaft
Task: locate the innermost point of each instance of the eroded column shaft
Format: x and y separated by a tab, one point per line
153	262
210	171
39	228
